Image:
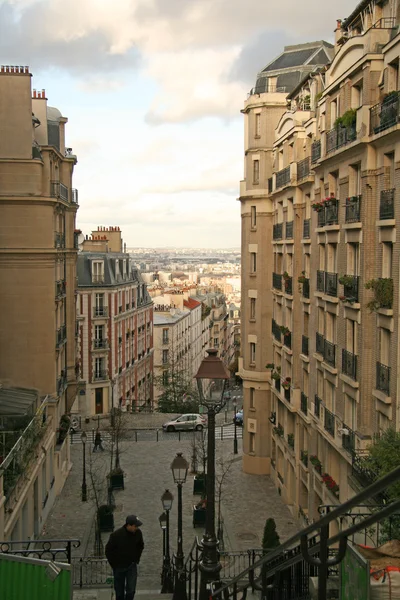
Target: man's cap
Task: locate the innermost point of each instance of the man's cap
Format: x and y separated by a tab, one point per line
133	520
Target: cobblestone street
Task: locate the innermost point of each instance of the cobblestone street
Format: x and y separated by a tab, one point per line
247	501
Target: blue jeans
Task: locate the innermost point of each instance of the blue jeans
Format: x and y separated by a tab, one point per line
125	582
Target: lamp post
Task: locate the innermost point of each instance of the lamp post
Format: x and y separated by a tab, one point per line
211	381
179	467
235	443
84	486
163	524
166	581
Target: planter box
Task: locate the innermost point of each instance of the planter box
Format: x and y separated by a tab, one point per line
105	518
199	486
117	481
199	517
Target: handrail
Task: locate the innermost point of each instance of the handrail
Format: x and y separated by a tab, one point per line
370	491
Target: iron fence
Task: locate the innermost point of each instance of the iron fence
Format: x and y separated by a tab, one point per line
277	281
329	422
303	168
383	378
349	364
282	177
330	353
385	114
331	283
353	206
386	205
306	288
315	151
277	231
289	230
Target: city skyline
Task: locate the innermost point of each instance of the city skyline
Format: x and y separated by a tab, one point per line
153	93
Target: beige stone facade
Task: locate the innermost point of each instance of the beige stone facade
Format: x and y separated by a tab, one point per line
330	242
37	277
115	329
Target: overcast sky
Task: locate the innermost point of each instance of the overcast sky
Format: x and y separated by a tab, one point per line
153	91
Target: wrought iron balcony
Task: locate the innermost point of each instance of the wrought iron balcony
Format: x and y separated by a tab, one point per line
321	281
100	375
321	218
59	240
319	343
61	288
287	340
340	136
304	345
277	232
100	344
277	281
353	206
306	288
61	383
365	475
288	283
385	114
100	311
331	212
61	336
329	422
278	384
383	378
317	406
315	151
351	287
348	439
303	403
74	196
289	230
287	393
303	168
283	177
349	364
330	353
331	284
59	190
306	229
386	206
276	332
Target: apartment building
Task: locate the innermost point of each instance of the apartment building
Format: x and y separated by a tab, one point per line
330	374
115	329
38	207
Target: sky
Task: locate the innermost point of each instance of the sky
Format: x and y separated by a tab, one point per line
152	90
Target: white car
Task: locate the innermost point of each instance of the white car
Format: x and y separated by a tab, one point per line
189	421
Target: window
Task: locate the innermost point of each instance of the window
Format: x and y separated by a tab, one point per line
99	367
258	125
252	442
165	356
387	259
253	308
252	353
256	171
165	377
98	271
165	336
253	262
253	217
356	95
117	268
99	332
124	268
251	397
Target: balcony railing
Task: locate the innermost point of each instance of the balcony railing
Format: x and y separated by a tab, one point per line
331	212
288	282
331	284
353	205
61	336
348	439
100	311
349	364
386	206
340	136
317	406
61	288
276	332
385	114
283	177
59	240
100	344
289	230
278	384
61	383
320	281
277	281
59	190
351	287
287	394
306	229
74	196
383	378
315	151
329	422
306	288
303	403
330	353
304	345
100	375
277	232
321	218
319	343
287	340
303	168
98	278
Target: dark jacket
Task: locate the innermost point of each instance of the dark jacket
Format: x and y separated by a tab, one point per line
123	548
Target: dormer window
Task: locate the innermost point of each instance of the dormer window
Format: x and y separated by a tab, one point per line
117	269
98	271
124	268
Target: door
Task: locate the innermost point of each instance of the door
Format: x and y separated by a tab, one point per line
98	401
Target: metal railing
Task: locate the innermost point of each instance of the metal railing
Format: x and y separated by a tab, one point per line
61	288
100	344
383	378
317	406
56	550
59	240
315	151
288	283
287	340
353	206
330	353
329	422
303	168
386	205
59	190
74	196
319	343
303	403
306	288
289	230
351	287
340	136
277	231
100	375
306	229
331	283
100	311
385	114
349	364
321	218
287	394
282	177
348	439
304	345
321	281
276	331
61	336
277	281
331	212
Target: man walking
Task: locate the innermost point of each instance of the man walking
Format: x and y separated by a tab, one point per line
123	552
98	442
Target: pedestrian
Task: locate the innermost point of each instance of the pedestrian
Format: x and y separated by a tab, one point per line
123	552
98	442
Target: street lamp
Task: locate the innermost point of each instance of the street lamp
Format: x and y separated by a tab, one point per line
235	443
179	467
211	381
166	581
163	524
84	486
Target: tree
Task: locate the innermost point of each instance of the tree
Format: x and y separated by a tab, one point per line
221	476
270	538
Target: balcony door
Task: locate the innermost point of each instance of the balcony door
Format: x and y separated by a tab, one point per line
99	401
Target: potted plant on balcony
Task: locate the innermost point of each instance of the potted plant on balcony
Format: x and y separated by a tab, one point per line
383	292
316	463
302	278
318	206
275	375
270	366
331	484
304	457
284	330
278	429
290	439
286	383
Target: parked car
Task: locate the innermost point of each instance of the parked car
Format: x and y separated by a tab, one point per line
189	421
238	418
